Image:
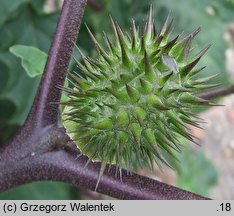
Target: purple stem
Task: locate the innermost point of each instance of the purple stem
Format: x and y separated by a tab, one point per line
45	110
96	5
45	107
215	93
62	166
37	151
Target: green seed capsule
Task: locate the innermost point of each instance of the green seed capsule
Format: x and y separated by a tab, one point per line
105	124
136	98
122	119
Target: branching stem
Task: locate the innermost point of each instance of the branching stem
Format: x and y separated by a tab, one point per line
37	152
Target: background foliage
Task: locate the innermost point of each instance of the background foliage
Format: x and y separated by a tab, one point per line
24	22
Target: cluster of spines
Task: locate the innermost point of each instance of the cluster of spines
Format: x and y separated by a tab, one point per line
136	98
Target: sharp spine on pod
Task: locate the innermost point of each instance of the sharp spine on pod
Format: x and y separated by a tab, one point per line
132	102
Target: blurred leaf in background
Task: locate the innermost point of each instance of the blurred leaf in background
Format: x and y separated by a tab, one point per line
21	22
32	59
41	191
196	173
213	17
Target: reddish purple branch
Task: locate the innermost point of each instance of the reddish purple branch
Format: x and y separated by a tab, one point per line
215	93
45	111
62	166
37	151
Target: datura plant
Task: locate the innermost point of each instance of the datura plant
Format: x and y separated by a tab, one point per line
129	105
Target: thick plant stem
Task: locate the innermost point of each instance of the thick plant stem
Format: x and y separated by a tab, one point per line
216	93
55	159
60	165
44	111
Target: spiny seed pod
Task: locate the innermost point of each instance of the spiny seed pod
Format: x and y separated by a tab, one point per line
131	103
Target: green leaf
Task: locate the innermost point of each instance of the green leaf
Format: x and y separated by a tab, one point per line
8	39
8	7
7	109
4	76
17	88
32	59
38	5
196	173
35	30
41	191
